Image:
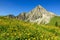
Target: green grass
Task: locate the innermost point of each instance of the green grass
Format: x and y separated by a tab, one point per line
54	20
13	29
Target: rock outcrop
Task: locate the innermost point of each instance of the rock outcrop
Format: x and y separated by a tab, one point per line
22	16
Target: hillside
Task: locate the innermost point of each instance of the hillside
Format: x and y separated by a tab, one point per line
13	29
54	20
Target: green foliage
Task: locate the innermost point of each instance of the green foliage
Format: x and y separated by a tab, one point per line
56	24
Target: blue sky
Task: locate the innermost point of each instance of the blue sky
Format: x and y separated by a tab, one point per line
16	7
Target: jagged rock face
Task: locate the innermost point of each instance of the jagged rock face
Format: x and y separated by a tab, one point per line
37	15
22	16
40	15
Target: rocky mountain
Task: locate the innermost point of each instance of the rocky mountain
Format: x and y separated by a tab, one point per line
37	15
22	16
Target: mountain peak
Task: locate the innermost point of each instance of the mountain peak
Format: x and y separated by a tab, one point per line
38	15
39	6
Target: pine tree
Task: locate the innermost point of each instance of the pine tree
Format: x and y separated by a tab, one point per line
56	23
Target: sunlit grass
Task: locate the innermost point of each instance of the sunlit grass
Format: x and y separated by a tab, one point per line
13	29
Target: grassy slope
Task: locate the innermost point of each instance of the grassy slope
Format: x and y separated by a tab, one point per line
12	29
54	20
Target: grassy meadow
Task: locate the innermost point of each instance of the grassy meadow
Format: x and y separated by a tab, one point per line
13	29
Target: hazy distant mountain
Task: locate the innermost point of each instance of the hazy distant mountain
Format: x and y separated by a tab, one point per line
37	15
10	16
